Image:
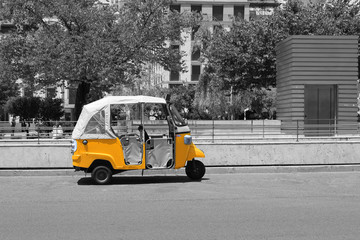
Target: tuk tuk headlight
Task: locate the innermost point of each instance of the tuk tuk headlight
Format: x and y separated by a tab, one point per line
187	139
73	146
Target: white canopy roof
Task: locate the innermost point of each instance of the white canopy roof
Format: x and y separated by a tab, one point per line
94	109
122	100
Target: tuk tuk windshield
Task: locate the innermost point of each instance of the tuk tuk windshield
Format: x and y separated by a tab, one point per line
178	119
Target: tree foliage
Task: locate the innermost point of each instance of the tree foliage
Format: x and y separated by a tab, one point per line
51	109
183	97
25	107
34	107
8	86
93	46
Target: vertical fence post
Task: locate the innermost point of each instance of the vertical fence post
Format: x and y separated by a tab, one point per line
213	134
297	130
252	126
38	132
195	126
263	128
213	130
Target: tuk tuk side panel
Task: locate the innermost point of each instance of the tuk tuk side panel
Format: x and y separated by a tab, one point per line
103	149
181	151
83	157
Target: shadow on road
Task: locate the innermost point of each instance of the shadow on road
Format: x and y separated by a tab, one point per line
129	180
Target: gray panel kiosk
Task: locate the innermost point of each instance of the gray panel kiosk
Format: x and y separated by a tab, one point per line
317	85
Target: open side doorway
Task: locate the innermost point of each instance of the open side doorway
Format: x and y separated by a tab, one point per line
159	141
144	133
125	120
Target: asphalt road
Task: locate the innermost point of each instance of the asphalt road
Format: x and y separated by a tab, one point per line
221	206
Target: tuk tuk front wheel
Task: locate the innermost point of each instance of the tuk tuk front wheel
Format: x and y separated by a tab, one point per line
195	169
101	175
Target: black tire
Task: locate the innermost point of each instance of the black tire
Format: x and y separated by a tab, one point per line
101	175
195	169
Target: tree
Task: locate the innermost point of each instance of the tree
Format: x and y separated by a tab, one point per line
211	98
95	46
183	98
243	57
51	109
25	107
34	107
263	103
8	86
6	90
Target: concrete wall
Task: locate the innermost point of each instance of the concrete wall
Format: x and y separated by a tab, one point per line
281	153
17	154
25	154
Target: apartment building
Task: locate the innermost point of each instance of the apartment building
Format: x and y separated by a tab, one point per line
214	13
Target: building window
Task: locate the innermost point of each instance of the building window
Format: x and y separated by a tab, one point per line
175	47
28	92
218	13
239	13
195	55
196	8
50	92
193	32
174	76
195	72
253	14
7	27
67	116
175	7
72	95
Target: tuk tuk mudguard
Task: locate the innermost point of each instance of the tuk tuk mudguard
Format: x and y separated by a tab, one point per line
103	157
194	152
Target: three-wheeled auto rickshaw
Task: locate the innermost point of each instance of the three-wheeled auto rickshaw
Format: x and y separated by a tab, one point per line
119	133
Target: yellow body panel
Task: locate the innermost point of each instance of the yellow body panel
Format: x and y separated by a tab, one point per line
103	149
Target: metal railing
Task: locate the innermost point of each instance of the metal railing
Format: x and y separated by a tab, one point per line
37	130
204	130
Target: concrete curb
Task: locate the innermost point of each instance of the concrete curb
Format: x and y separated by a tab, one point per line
209	170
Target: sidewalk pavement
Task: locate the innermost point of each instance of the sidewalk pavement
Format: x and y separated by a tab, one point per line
209	170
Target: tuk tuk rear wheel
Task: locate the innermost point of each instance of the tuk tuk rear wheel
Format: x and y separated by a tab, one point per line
101	175
195	169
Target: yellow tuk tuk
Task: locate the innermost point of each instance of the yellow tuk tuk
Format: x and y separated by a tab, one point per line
119	133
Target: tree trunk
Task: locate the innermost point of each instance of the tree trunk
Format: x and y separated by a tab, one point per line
81	97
